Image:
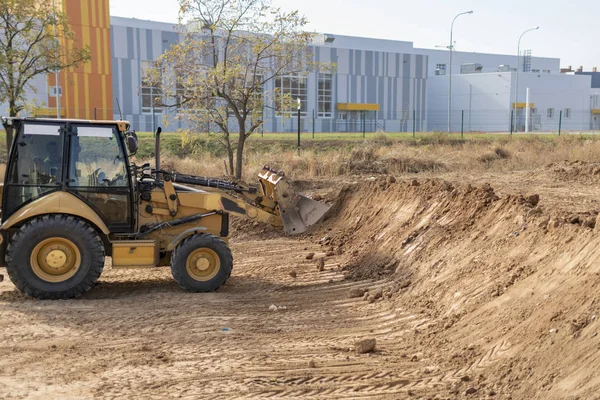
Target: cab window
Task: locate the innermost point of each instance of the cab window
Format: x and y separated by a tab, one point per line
38	155
35	167
97	158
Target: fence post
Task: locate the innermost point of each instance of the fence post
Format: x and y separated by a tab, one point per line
364	127
462	124
298	130
314	124
511	121
559	122
414	122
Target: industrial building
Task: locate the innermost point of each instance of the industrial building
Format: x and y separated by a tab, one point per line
594	92
485	102
379	85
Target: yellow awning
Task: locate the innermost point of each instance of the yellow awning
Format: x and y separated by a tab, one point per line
596	111
357	107
523	105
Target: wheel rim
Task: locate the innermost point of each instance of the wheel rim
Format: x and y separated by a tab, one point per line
203	264
55	259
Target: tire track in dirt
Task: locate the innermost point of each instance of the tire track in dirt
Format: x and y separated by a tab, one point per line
138	333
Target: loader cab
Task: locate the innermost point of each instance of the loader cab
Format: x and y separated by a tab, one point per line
85	158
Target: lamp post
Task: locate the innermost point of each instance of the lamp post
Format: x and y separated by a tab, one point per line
450	47
56	72
299	107
517	75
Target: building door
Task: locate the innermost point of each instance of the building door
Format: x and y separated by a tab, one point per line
595	122
35	165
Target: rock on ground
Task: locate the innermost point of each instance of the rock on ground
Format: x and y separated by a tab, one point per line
365	346
356	292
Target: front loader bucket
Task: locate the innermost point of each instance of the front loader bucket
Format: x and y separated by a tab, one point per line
305	213
297	212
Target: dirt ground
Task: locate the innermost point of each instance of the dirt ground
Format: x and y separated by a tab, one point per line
479	286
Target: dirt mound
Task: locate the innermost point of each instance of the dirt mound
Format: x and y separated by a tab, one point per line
511	288
579	171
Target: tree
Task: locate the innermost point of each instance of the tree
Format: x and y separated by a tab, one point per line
229	50
33	41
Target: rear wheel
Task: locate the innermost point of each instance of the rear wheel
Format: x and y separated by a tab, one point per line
201	263
55	257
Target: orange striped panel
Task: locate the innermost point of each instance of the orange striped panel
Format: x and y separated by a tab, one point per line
87	87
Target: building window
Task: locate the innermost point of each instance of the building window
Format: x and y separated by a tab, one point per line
325	95
550	113
294	86
440	69
546	71
179	89
256	84
151	88
535	71
54	90
567	113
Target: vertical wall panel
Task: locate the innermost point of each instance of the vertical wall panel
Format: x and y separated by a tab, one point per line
90	23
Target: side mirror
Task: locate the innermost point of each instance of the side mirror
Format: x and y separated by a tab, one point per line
132	143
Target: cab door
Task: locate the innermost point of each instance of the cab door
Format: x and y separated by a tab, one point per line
97	173
35	164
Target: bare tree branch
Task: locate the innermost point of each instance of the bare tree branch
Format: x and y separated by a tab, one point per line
230	49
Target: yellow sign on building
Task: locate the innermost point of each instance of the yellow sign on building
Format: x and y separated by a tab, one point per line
523	105
357	107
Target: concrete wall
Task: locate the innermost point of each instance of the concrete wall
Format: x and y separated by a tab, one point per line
133	41
362	43
487	99
490	62
485	96
558	92
595	78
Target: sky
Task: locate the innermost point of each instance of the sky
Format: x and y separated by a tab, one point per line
569	31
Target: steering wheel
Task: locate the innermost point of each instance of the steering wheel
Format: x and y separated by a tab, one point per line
99	177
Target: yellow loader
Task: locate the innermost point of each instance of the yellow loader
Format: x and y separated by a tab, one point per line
71	197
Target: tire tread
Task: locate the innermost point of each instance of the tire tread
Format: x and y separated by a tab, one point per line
16	259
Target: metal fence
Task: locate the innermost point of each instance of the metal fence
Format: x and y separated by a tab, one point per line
549	120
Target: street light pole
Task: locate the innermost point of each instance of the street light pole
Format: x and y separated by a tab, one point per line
56	72
450	47
517	75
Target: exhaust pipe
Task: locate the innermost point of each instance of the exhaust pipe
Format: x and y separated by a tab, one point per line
157	152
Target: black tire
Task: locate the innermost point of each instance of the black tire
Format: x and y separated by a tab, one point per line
55	227
210	244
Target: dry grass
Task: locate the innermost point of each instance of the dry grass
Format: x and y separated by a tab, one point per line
379	156
382	156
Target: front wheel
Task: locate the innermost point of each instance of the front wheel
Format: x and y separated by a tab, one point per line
55	257
201	263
